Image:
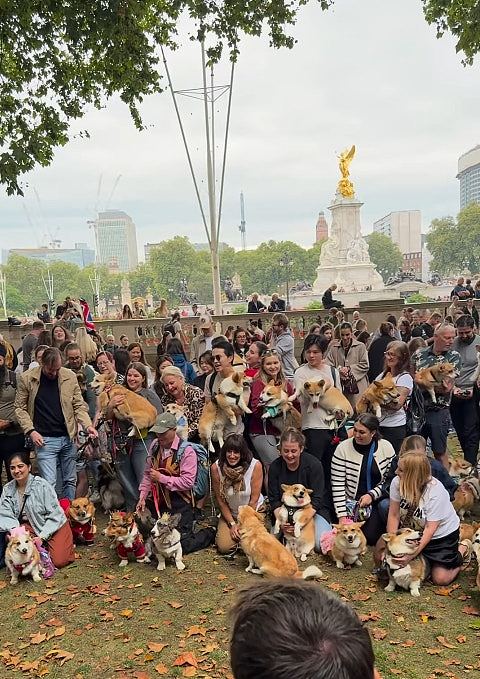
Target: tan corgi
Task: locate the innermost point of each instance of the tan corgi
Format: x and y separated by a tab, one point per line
378	394
182	423
459	468
430	379
476	551
468	530
467	493
278	408
322	394
349	544
403	542
223	408
266	555
297	510
135	409
81	516
21	556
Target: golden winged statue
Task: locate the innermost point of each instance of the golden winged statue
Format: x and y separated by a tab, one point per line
345	186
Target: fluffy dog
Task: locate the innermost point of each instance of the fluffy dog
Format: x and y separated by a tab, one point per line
468	531
126	538
322	394
165	541
136	409
298	511
459	468
223	408
81	517
349	544
466	495
379	393
109	488
266	555
431	379
182	422
278	408
21	556
403	542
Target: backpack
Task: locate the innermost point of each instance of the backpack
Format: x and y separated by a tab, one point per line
202	480
415	412
169	327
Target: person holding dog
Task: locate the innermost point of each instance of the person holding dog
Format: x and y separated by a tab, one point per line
188	397
393	423
351	358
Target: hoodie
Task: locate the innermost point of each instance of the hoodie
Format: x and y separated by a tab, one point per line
181	362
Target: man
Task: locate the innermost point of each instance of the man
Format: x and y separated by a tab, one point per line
12	439
44	314
222	357
202	341
124	341
110	344
429	326
437	415
460	290
29	343
49	407
170	476
276	304
327	299
61	308
195	311
464	408
255	306
283	343
285	629
417	325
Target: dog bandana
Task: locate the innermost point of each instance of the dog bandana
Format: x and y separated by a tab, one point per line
138	549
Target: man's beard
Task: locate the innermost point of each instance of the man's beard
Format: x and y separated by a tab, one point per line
467	340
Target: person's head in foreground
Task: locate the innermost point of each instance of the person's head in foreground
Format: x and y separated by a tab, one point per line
284	629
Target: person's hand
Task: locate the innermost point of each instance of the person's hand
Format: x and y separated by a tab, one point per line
287	528
235	533
462	393
365	500
344	519
404	560
447	385
117	400
92	432
37	439
155	475
343	371
4	424
140	506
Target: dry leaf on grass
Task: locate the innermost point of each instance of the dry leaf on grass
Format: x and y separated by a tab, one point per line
372	615
433	651
38	638
361	597
189	671
445	642
470	610
186	659
59	654
461	638
126	613
175	604
195	629
161	668
155	646
378	633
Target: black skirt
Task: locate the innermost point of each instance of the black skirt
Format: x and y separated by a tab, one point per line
444	551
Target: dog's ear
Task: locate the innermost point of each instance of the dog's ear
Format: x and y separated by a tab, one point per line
359	524
174	521
306	385
337	526
237	378
386	537
321	383
309	490
377	383
284	486
271	382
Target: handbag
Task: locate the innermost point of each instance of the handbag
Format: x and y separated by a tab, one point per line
349	383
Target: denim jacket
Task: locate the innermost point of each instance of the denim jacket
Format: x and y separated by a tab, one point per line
41	507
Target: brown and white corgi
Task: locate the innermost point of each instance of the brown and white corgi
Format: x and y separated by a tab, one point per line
135	409
466	495
399	544
431	379
322	394
378	394
126	538
278	408
22	556
297	510
81	517
349	544
232	399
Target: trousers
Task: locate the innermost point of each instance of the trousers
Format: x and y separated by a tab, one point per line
466	421
58	450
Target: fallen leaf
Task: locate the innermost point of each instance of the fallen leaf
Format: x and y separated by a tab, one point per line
161	668
53	622
433	651
126	613
470	610
156	647
378	633
59	631
445	642
29	614
189	671
461	638
361	597
195	629
140	674
186	659
408	643
38	638
373	615
443	591
58	654
175	604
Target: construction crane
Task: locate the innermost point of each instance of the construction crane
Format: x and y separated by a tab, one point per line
242	227
112	191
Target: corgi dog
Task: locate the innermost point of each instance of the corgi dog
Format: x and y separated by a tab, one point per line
135	409
223	408
468	531
399	544
476	551
379	393
297	510
81	517
467	493
430	379
322	394
126	538
165	541
182	422
266	555
349	544
22	556
278	408
459	468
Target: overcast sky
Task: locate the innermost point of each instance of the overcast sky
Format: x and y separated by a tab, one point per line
371	73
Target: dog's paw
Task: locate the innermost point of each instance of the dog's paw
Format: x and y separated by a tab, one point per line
340	564
161	567
36	577
13	580
358	563
303	557
415	592
180	566
146	559
123	563
389	588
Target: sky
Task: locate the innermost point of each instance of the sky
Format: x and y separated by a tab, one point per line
369	73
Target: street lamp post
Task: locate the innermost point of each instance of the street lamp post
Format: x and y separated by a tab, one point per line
286	262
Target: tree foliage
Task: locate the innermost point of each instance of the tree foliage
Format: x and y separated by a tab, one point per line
455	245
459	17
385	254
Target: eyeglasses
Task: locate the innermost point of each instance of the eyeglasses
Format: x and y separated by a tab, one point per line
270	352
390	354
216	358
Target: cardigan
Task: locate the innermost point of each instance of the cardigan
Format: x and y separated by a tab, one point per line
346	467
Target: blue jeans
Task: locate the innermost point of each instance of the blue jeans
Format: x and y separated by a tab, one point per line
58	450
130	467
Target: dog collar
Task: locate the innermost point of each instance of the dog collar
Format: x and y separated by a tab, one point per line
236	397
19	567
472	488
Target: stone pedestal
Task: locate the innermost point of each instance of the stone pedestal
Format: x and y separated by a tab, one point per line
344	259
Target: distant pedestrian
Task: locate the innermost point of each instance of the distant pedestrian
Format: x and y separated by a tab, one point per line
327	299
29	343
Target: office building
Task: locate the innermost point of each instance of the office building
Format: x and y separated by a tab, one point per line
81	254
469	176
321	229
116	240
404	228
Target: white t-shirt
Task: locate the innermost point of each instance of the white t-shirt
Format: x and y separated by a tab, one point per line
397	418
434	505
304	373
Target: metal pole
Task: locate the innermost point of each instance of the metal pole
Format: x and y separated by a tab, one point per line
288	283
3	292
224	161
217	295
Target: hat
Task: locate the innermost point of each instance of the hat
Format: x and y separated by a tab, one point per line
205	321
163	423
3	350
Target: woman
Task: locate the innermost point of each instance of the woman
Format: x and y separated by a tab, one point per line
405	329
130	452
351	358
422	502
393	423
240	345
88	347
236	480
60	336
359	466
315	329
45	338
127	312
296	466
416	343
252	357
327	331
163	361
106	366
32	501
376	350
361	331
263	434
205	362
229	333
136	354
190	398
175	350
121	359
162	311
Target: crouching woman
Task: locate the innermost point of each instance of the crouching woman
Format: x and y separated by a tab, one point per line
31	501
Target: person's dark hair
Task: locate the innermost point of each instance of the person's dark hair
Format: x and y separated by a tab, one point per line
261	346
72	346
325	326
312	328
108	354
24	456
38	325
51	356
319	341
286	628
174	347
371	422
206	357
219	343
237	443
121	358
39	348
416	343
292	434
392	319
134	345
161	359
140	368
386	329
465	321
176	316
239	330
45	337
403	355
346	326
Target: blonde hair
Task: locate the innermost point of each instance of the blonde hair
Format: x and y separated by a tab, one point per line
172	371
86	344
412	443
262	375
416	473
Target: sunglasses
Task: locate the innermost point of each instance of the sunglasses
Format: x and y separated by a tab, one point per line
270	352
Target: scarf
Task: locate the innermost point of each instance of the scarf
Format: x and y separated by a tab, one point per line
232	477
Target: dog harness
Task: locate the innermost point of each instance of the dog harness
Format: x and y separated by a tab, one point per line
290	513
19	567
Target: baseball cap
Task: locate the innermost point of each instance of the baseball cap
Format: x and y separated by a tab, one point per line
163	423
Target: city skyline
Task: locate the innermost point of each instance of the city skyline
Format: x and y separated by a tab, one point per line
411	115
